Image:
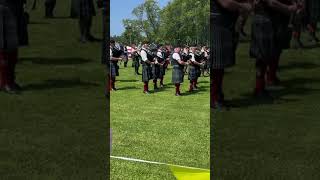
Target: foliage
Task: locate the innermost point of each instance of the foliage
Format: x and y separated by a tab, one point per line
181	21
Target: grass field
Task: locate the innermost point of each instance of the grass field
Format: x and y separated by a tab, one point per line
276	139
57	127
158	127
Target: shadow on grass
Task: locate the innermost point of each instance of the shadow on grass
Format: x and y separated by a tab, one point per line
290	87
55	61
59	83
312	46
299	65
60	17
37	23
126	80
127	88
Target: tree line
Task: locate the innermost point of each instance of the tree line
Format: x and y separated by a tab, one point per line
179	22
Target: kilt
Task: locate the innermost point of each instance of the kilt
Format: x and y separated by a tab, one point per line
177	74
114	70
268	38
82	8
86	8
23	29
74	12
146	72
194	73
224	43
157	71
313	10
8	29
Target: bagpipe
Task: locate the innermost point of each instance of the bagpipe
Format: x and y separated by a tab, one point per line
199	56
185	57
117	50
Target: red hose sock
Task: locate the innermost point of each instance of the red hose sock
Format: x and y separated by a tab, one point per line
216	85
161	81
177	88
272	70
145	87
260	76
3	69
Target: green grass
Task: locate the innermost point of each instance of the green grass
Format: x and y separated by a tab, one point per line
270	140
158	127
57	128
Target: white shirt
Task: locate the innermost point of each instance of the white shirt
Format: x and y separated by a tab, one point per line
192	57
111	53
159	54
176	56
143	55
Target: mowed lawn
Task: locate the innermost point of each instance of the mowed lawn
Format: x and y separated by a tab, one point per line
57	127
277	139
158	127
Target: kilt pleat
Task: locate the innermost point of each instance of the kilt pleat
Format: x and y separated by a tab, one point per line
224	44
263	44
158	71
177	75
146	72
114	70
8	29
193	73
313	9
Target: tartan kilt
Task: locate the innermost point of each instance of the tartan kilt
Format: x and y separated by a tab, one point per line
224	42
8	29
313	9
177	75
283	36
263	39
162	71
157	71
146	72
114	70
86	8
23	29
193	73
74	12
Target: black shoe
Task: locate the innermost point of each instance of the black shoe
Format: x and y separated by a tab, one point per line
17	86
178	94
155	87
92	39
114	89
264	94
83	40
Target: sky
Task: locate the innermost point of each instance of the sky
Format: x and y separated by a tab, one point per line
121	9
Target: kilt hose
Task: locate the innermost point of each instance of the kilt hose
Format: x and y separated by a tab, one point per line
8	61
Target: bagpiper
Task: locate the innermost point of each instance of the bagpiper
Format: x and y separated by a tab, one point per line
270	36
224	15
177	71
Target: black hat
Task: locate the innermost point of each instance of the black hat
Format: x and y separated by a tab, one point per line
112	41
